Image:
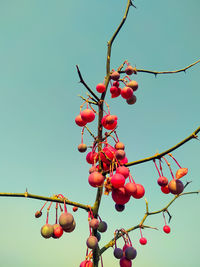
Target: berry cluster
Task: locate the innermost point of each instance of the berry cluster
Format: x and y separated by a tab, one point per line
66	221
175	186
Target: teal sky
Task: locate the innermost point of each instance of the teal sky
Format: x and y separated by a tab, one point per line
40	44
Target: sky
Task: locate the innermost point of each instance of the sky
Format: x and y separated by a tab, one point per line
40	44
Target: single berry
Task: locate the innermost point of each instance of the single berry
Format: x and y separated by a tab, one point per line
118	253
131	100
162	181
129	70
92	242
94	223
70	228
166	229
66	219
95	179
102	227
57	231
131	188
143	241
120	154
75	209
87	115
79	121
123	170
115	76
116	83
140	191
120	195
119	207
130	253
133	85
91	157
47	230
82	148
165	189
124	262
119	146
176	187
100	88
181	172
117	180
38	214
127	92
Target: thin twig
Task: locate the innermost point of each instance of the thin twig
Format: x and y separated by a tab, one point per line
89	101
86	86
52	199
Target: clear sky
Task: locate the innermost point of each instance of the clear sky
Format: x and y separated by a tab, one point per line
40	44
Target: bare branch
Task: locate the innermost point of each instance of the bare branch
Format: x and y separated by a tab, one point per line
52	199
86	86
158	156
168	72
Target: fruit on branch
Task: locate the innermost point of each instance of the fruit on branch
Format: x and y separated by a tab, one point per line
117	180
129	70
82	148
87	115
166	229
119	207
123	170
107	154
94	223
175	187
79	121
131	188
70	228
143	241
124	262
139	192
95	179
47	230
162	181
102	227
75	209
165	189
181	172
115	76
109	126
66	220
130	253
86	263
38	214
57	231
120	154
118	253
133	85
123	161
116	83
100	88
91	157
115	91
131	100
92	242
127	92
120	195
119	146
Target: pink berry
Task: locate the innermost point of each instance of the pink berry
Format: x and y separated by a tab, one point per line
91	157
162	181
166	229
143	241
57	231
79	121
130	188
140	191
100	88
107	154
87	115
126	92
95	179
120	196
119	145
123	170
115	91
109	126
117	180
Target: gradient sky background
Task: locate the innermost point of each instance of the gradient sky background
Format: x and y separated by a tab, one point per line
40	44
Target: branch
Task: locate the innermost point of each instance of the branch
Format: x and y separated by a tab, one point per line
52	199
158	156
86	86
129	3
168	72
89	101
140	225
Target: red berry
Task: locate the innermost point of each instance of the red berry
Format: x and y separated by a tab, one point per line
115	91
165	189
57	231
116	83
162	181
79	121
126	92
140	191
95	179
91	157
87	115
100	88
130	188
123	170
117	180
143	241
115	76
75	209
166	229
120	195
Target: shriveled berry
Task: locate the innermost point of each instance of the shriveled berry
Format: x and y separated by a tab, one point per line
75	209
38	214
131	100
181	172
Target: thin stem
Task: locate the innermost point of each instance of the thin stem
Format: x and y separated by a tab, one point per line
168	72
140	225
158	156
53	199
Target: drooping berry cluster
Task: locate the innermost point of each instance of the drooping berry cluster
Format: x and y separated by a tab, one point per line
175	186
66	221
